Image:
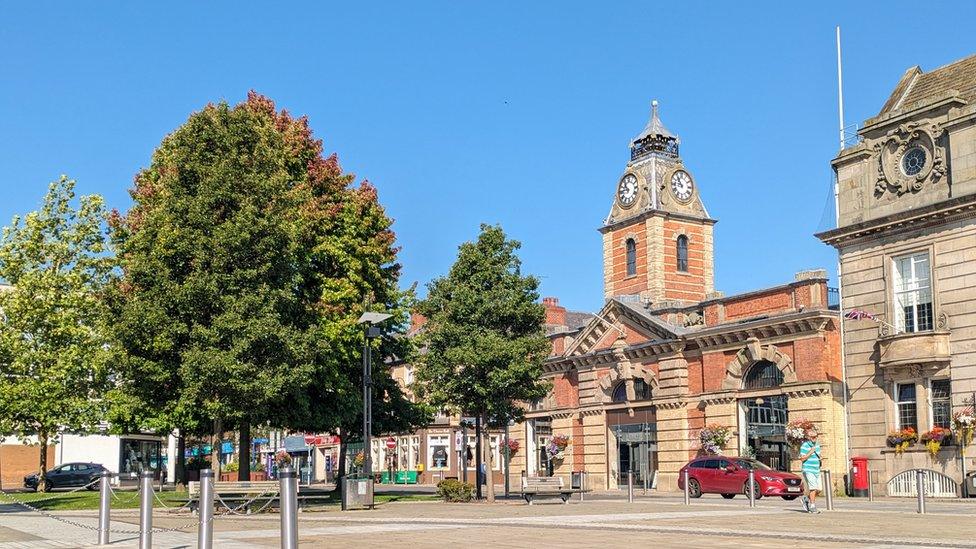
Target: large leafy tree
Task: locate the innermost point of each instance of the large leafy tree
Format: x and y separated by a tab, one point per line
247	257
484	335
53	340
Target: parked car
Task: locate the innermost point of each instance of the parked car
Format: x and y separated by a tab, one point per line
68	475
730	476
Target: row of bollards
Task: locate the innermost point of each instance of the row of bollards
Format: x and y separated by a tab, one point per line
828	491
288	494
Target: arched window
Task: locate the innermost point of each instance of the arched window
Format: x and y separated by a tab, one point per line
631	257
763	375
682	253
620	392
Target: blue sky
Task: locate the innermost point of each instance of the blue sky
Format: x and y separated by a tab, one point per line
516	113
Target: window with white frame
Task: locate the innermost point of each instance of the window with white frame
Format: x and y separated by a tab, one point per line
438	452
906	406
408	450
495	451
941	403
912	292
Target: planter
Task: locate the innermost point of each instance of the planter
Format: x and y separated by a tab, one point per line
232	476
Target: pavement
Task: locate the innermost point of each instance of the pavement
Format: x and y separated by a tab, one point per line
603	519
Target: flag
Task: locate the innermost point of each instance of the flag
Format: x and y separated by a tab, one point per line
857	314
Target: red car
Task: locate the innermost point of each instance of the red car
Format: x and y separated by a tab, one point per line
730	475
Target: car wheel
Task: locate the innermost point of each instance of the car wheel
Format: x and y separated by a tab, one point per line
694	489
48	486
728	496
756	487
789	498
92	484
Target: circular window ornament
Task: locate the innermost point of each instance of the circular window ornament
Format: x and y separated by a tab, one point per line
913	161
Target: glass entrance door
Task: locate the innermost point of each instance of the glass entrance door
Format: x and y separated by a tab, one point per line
636	453
766	419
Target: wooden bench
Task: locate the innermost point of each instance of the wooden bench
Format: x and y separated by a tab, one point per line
236	491
533	487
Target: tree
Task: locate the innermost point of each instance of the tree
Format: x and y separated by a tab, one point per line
484	336
53	354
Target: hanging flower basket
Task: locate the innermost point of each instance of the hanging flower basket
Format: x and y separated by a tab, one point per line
934	439
360	459
557	446
510	448
963	426
714	437
901	440
282	458
796	431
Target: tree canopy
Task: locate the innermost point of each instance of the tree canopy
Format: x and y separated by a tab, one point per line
53	336
484	334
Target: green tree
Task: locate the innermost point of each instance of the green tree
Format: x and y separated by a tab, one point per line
246	257
53	355
484	335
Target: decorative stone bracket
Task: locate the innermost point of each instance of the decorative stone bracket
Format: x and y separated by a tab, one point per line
753	352
915	348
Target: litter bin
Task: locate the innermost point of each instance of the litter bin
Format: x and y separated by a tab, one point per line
357	493
971	484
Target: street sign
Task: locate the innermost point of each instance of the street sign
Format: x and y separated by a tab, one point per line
390	443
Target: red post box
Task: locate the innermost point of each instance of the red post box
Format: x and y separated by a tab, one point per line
860	476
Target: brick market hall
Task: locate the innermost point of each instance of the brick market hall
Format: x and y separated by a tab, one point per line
668	354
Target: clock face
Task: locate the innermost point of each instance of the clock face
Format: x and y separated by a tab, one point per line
627	190
682	186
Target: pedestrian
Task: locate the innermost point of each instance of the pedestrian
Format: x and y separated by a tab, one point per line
810	456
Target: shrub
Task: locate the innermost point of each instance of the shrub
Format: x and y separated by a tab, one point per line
231	467
455	491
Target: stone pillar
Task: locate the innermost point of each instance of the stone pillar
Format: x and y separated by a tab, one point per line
595	449
673	443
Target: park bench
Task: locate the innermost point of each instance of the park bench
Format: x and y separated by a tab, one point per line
237	492
533	487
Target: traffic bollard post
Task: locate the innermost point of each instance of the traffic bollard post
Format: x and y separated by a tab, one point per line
145	509
288	490
870	485
582	484
828	489
630	486
104	507
752	488
687	493
205	528
920	489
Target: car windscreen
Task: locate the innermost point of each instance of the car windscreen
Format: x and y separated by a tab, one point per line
754	465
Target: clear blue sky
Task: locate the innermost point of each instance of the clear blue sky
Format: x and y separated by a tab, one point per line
516	113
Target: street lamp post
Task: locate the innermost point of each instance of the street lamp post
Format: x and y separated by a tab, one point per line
369	319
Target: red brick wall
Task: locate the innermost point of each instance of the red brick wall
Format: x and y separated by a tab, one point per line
690	285
566	389
774	301
555	313
623	284
19	460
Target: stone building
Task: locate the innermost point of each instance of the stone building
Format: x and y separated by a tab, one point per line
906	236
667	355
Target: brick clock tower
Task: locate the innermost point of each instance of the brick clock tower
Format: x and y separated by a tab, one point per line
657	239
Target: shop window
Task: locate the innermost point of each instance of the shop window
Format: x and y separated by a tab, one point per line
682	253
438	450
631	257
139	455
907	405
763	375
941	403
912	293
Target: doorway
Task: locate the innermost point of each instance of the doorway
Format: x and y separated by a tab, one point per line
765	432
636	453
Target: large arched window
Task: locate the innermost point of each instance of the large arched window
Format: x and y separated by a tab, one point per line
763	375
642	391
682	253
620	392
631	257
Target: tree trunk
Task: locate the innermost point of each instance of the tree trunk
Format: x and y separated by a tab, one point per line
340	470
489	465
215	448
479	459
180	475
244	453
42	476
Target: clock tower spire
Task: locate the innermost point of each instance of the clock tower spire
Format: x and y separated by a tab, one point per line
657	238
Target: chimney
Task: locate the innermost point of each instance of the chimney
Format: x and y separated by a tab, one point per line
555	314
417	322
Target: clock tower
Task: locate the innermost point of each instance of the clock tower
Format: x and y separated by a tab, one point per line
657	239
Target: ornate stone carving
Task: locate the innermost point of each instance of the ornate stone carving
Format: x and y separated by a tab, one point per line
942	321
892	176
752	353
694	319
627	373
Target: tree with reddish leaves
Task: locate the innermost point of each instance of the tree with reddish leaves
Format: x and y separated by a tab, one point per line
246	258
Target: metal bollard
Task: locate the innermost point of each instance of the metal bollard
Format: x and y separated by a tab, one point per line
752	488
582	484
104	507
145	509
828	489
205	529
687	493
630	486
289	507
870	485
920	489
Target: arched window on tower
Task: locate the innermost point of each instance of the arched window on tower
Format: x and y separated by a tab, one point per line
682	253
631	257
763	375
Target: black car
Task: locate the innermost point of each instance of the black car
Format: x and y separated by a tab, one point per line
68	475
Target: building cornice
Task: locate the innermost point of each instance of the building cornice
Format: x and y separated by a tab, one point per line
960	207
655	213
766	329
